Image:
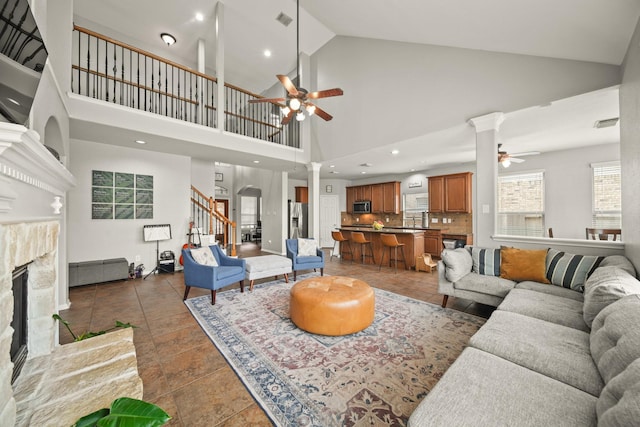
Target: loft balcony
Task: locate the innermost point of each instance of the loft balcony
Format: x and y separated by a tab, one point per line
111	71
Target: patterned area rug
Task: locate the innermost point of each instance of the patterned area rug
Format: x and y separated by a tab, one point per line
375	377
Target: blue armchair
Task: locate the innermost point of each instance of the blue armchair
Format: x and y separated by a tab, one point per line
228	271
303	262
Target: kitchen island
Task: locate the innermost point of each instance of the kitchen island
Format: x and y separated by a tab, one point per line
413	240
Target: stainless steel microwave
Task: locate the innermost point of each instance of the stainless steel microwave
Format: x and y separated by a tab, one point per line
362	207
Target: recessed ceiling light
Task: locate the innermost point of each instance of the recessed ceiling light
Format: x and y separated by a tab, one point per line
395	151
336	172
267	53
363	172
332	166
199	17
256	161
413	170
13	100
139	141
168	38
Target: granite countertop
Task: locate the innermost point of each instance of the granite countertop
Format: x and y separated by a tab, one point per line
370	229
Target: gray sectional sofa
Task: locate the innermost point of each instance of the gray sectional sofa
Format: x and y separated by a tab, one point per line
563	354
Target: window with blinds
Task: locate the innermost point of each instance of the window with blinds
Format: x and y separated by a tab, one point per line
521	204
413	206
607	195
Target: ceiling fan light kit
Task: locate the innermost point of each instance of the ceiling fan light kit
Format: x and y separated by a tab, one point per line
297	100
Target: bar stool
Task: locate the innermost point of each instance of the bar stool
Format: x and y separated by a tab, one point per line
339	239
357	237
390	241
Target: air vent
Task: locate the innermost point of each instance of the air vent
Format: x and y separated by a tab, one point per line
284	19
606	123
366	165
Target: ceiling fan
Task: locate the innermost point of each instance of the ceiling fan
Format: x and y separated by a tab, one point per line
297	100
505	159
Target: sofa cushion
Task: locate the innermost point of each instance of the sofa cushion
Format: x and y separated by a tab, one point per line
481	389
458	263
605	286
618	405
615	337
562	311
489	285
551	290
486	261
620	261
523	264
569	270
553	350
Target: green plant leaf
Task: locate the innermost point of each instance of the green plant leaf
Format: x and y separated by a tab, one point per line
127	412
92	419
119	324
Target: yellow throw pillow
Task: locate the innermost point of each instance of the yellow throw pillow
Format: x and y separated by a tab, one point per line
523	264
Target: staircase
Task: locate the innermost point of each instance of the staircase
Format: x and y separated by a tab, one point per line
210	221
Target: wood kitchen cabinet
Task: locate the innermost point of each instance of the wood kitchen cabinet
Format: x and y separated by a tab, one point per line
363	192
302	194
384	197
391	197
377	198
351	197
433	242
450	193
436	194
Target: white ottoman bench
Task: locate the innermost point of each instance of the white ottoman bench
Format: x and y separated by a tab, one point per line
259	267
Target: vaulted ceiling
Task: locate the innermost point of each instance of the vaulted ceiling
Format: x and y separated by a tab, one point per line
583	30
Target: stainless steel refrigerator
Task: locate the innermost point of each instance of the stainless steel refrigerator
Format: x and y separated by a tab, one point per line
298	217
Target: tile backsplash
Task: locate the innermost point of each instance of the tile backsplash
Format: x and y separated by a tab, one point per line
457	223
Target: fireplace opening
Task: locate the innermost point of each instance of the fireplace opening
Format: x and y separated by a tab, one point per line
19	322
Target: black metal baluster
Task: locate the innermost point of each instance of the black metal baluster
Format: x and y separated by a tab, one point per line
88	64
121	75
166	90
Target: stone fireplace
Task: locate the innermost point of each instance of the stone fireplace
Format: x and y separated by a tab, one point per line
58	384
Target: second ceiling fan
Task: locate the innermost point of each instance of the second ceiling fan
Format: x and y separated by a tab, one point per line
297	100
505	159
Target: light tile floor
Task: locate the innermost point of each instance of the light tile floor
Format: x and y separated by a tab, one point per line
182	371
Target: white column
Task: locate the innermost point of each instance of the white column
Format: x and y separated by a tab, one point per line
486	183
313	182
219	22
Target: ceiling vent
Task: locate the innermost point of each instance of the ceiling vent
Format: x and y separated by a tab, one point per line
366	165
606	123
284	19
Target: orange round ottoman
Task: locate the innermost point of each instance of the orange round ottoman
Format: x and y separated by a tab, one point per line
332	305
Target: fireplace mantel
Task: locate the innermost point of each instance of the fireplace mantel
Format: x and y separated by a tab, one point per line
24	160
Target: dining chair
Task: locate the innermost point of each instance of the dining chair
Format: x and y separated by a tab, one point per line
603	233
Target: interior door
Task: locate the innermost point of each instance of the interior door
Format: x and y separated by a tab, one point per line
329	219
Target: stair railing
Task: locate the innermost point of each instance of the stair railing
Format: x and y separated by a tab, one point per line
211	221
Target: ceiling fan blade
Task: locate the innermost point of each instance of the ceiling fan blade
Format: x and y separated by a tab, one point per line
527	153
272	100
325	93
323	114
287	118
516	160
288	85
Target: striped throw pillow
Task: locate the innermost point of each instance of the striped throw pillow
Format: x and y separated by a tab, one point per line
486	261
570	271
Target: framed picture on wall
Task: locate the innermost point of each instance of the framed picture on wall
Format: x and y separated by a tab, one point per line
219	176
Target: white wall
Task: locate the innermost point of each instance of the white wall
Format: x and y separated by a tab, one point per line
630	148
92	239
203	176
568	186
395	91
273	185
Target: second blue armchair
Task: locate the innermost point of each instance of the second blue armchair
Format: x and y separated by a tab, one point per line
304	262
